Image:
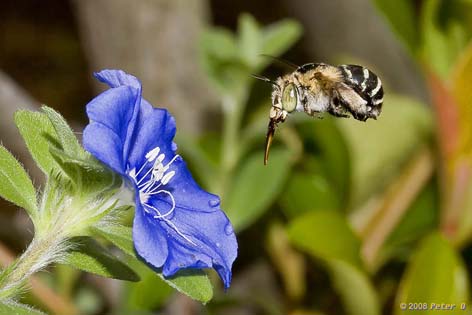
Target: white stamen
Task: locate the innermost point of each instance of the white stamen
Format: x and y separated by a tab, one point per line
161	216
151	155
167	177
132	173
149	183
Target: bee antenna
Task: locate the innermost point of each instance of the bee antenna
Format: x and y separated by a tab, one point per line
281	61
259	77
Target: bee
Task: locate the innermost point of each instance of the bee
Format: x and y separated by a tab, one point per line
316	88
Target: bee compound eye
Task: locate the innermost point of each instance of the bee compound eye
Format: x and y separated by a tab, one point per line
289	98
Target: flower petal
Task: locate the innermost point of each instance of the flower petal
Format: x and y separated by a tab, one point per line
177	225
155	127
197	239
187	192
105	145
117	78
117	108
149	238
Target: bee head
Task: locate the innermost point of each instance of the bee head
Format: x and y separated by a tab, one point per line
284	101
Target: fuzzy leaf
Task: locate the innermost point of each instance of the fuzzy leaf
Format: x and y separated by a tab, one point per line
66	136
193	283
86	172
256	187
89	256
14	308
436	274
15	184
119	235
39	135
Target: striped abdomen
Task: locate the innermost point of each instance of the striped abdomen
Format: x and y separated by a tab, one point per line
366	84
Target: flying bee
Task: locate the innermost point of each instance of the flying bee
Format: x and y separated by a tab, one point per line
315	88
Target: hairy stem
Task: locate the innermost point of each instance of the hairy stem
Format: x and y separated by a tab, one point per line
42	251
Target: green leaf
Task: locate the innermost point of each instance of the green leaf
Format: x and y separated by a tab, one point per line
307	192
39	135
402	18
435	274
85	172
119	235
278	38
378	149
66	136
421	218
193	283
357	293
249	40
218	55
15	184
332	149
89	256
446	30
149	293
256	186
325	235
218	43
14	308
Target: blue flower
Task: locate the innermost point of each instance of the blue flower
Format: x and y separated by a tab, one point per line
177	225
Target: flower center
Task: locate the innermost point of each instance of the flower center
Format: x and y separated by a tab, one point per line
149	180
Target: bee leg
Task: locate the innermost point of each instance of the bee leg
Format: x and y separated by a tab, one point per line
306	108
336	108
358	116
338	113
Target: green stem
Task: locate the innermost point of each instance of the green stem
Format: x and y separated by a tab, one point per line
42	251
233	109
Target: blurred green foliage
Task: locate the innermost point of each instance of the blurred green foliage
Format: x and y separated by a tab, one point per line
351	220
364	204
